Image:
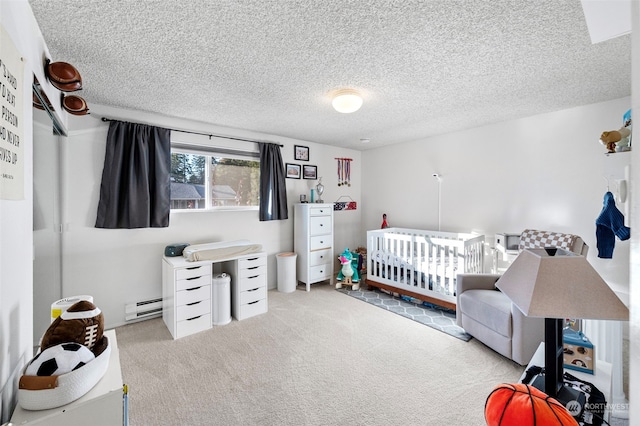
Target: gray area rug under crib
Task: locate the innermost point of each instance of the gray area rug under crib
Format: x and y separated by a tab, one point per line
441	319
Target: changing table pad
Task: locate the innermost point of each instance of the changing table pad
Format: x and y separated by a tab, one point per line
220	250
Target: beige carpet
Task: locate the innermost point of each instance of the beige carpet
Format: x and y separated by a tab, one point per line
316	358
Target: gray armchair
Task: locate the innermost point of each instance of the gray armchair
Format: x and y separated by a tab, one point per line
489	316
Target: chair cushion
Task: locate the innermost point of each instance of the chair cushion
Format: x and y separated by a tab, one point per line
531	238
488	307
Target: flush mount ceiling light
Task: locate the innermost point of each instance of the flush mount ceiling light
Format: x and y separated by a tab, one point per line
346	101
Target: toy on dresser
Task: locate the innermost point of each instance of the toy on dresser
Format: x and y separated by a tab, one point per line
74	355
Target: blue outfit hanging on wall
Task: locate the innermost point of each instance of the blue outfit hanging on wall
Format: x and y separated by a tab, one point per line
609	224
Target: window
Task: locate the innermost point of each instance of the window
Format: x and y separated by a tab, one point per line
213	180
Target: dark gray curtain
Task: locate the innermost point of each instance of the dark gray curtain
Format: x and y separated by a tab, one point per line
135	190
273	186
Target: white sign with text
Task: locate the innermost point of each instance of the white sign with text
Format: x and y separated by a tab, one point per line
11	123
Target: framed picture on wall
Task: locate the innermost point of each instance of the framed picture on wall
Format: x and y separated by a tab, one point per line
310	172
301	153
293	171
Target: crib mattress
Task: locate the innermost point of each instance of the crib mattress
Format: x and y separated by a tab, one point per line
220	250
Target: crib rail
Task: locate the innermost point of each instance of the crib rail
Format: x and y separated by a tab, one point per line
422	262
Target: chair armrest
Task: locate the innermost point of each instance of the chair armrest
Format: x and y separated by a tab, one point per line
466	282
527	334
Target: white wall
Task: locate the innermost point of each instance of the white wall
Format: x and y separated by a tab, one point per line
543	172
121	266
16	252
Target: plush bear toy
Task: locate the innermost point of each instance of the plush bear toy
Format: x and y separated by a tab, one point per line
615	138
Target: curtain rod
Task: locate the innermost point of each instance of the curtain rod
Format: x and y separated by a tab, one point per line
203	134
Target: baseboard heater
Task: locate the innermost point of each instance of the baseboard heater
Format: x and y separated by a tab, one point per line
144	309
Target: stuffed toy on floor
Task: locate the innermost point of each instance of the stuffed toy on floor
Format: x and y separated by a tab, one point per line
348	274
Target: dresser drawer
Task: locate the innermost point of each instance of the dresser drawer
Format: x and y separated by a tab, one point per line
320	257
185	297
193	310
320	225
252	309
321	242
252	282
253	271
253	295
320	211
193	282
192	272
250	262
193	325
320	272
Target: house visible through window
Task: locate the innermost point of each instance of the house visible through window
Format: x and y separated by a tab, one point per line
211	180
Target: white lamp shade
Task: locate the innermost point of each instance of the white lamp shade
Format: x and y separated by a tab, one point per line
563	285
347	101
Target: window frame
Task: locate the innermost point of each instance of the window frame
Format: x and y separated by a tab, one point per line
208	152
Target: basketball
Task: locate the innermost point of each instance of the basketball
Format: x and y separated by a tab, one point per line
523	405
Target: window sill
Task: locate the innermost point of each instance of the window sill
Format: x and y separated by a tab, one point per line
217	209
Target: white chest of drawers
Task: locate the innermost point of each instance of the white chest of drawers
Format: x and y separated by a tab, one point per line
313	242
186	297
187	291
249	286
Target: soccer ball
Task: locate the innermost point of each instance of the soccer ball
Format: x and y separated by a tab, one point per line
59	359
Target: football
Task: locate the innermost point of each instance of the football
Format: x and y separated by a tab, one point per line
59	359
82	323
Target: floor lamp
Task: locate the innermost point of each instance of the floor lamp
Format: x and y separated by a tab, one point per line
555	284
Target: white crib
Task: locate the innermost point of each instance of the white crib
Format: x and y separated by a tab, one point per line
422	264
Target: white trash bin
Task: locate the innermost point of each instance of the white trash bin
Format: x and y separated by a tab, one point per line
287	281
221	294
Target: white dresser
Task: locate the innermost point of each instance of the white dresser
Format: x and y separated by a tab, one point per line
249	286
187	290
313	242
186	296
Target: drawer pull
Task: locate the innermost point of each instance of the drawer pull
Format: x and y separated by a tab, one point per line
254	289
194	303
193	278
194	267
194	318
252	303
254	267
253	258
255	276
194	288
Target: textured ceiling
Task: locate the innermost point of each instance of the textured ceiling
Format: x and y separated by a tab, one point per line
424	67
